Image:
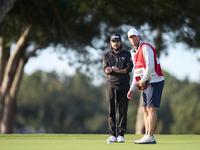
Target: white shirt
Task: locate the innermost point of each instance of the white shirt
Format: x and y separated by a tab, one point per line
149	72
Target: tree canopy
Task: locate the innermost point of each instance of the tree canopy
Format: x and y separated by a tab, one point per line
75	24
80	27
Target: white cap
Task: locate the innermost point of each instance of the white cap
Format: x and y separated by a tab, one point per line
133	32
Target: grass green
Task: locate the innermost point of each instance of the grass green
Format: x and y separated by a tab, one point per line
95	142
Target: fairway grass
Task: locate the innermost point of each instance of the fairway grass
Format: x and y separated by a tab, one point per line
95	142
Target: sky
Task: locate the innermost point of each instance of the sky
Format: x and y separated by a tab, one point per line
179	63
182	63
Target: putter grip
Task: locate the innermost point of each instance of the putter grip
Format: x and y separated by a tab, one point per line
137	85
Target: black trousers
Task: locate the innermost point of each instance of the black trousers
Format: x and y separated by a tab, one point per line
122	102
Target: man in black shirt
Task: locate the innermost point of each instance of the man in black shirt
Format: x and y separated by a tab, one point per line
117	64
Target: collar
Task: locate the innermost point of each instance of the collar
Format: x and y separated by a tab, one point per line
135	50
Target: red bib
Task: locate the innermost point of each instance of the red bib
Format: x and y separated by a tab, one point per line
140	65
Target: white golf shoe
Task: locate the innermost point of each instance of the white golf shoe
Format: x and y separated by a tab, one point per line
140	139
146	140
120	139
112	139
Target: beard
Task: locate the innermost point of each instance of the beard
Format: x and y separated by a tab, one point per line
119	48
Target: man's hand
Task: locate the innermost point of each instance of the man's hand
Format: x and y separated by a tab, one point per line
115	69
108	70
130	94
141	84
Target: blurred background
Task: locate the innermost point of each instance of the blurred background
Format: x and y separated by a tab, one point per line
51	77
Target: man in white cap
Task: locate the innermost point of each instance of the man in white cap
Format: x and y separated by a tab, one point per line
148	77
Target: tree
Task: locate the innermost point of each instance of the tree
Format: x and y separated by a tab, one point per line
56	22
160	17
5	7
78	25
185	110
61	104
56	103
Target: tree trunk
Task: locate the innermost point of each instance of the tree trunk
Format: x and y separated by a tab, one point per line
10	83
10	101
4	55
158	40
5	7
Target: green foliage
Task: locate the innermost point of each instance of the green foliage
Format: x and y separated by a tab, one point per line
179	111
75	23
186	109
80	27
63	104
46	100
67	105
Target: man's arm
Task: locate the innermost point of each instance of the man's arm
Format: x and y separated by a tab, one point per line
106	68
129	63
149	61
127	69
116	69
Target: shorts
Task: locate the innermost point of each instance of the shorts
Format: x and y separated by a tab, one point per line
152	94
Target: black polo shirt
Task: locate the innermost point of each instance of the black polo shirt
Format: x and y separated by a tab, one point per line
122	60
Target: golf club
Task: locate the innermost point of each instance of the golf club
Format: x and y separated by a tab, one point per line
115	92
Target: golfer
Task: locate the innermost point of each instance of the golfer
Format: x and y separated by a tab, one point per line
117	64
149	77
